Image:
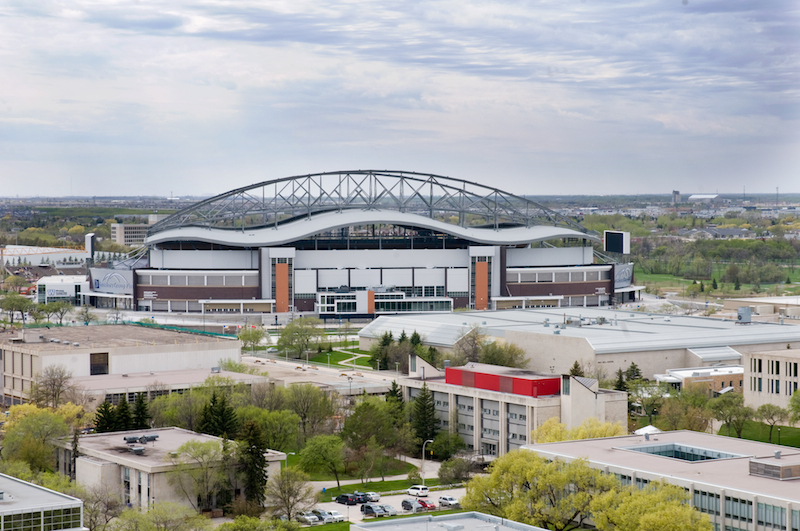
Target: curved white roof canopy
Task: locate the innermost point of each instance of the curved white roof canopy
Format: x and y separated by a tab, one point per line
306	227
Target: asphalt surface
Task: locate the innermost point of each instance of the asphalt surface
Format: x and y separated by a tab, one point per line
352	513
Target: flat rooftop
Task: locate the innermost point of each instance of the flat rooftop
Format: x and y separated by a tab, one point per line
732	473
622	331
93	336
705	371
113	448
471	521
499	370
19	496
172	379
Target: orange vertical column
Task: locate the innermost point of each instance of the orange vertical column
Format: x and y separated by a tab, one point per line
481	285
370	302
282	288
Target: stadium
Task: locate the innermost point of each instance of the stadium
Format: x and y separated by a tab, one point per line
368	242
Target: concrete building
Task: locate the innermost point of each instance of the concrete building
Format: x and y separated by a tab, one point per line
105	349
138	471
767	307
471	521
495	408
61	288
28	507
130	234
600	339
740	484
717	379
113	387
771	377
349	244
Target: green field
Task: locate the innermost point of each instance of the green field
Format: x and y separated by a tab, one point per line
396	468
758	431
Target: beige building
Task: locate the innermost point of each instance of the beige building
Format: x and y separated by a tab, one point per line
771	377
105	349
716	379
138	471
133	233
603	341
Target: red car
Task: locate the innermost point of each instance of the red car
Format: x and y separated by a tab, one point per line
426	504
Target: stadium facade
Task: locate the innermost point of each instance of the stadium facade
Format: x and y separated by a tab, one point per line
370	242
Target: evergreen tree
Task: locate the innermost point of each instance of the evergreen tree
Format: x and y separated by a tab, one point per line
788	279
252	447
416	339
702	287
736	284
218	418
403	337
141	413
576	369
619	384
227	421
104	418
395	393
123	418
714	283
386	339
424	415
633	373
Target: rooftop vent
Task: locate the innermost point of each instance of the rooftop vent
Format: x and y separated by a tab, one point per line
215	370
76	344
131	439
124	375
138	450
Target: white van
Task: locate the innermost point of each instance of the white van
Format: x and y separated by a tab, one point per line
417	490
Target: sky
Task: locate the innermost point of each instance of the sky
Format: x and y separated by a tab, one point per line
174	97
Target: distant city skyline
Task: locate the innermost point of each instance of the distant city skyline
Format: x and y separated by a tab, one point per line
540	98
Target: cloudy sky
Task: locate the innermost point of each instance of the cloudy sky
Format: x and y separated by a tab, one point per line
160	97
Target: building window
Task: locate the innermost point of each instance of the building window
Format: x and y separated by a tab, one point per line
771	516
98	363
522	416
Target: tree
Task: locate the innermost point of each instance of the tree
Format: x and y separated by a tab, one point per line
415	339
591	428
218	417
252	447
297	336
28	439
162	516
14	303
104	418
197	472
633	373
619	383
141	414
771	415
50	386
101	504
16	282
455	470
423	418
656	506
323	453
85	314
395	392
714	285
251	336
576	369
123	418
181	410
648	395
505	354
468	348
60	309
445	445
250	523
280	428
311	404
289	493
730	410
794	406
527	488
368	420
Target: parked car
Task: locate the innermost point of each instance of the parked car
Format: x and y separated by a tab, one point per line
337	516
361	497
448	501
373	496
390	511
410	504
346	499
427	505
372	509
417	490
324	516
307	518
272	350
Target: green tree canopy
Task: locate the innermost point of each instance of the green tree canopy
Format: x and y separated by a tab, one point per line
323	453
298	336
423	418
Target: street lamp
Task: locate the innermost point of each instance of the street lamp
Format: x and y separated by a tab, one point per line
779	434
423	459
329	360
286	459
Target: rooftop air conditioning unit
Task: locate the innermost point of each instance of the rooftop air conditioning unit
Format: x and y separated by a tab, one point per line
743	314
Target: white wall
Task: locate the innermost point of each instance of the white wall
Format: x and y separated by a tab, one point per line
539	257
305	281
429	277
169	259
397	277
365	278
332	278
458	279
382	258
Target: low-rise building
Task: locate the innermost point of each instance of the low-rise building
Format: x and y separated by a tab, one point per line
61	288
28	507
138	470
740	484
716	379
471	521
495	408
105	349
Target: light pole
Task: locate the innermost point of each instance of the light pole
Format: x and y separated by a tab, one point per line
329	360
779	435
286	459
423	459
350	392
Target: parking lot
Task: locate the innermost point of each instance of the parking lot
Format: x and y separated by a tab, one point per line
352	513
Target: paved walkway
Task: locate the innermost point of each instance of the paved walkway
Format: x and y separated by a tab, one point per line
431	471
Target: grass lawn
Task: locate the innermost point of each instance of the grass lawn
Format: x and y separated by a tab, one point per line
396	467
758	431
373	486
338	357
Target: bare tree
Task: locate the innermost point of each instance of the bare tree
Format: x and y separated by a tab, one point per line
156	389
101	504
289	493
468	348
50	386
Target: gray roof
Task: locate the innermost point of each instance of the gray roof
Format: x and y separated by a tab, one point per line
471	521
623	331
20	496
716	354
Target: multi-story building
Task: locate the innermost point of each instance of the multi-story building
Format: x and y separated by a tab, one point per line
130	234
444	243
742	485
494	409
771	377
28	507
105	349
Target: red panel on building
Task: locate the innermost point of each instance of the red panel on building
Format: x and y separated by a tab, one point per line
535	386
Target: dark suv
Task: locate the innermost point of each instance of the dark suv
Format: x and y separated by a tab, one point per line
361	497
346	499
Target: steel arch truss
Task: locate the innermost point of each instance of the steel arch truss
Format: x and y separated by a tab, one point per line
270	203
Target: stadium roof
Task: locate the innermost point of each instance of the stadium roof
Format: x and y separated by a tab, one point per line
304	205
623	331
